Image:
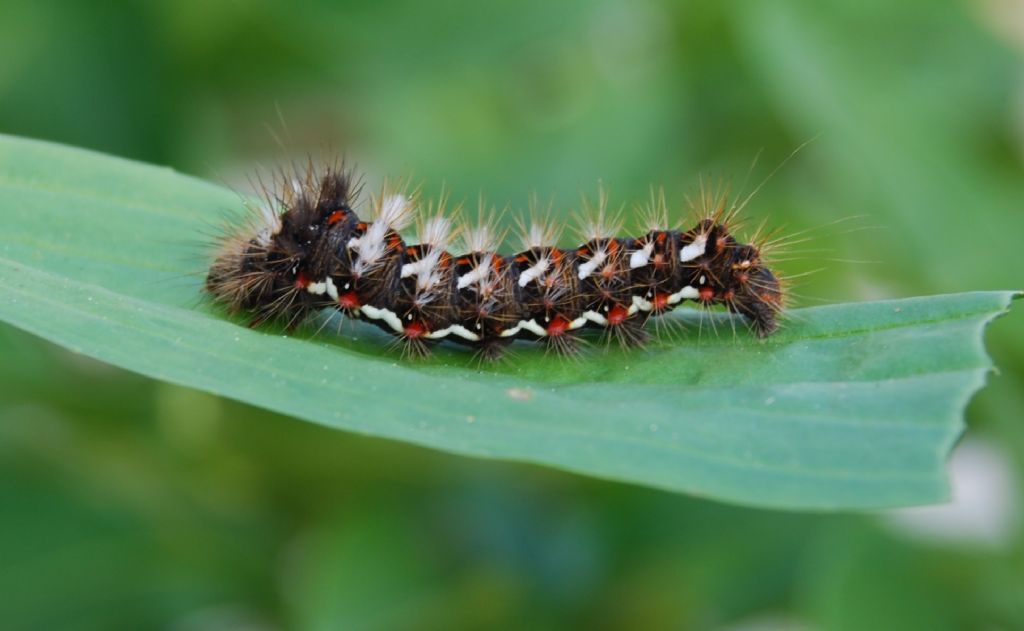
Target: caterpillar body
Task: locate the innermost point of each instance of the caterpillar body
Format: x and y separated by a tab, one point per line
306	249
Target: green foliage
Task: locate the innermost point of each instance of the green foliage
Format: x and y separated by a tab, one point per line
129	502
851	406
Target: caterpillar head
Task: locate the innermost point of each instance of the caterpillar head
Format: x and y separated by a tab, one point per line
266	266
260	274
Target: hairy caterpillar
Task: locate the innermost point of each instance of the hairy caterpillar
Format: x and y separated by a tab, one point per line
305	249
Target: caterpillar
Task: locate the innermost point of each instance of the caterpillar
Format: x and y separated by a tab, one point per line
305	249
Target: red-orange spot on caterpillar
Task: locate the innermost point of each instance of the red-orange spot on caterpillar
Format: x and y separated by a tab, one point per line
349	300
415	329
558	326
617	315
301	280
660	302
707	293
336	216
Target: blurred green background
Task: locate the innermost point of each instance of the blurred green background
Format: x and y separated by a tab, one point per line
130	504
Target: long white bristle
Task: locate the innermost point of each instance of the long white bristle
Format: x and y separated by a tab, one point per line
655	213
481	239
428	274
480	275
540	235
436	232
396	211
597	222
391	212
596	260
369	248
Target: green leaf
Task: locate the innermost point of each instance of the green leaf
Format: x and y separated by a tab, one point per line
850	406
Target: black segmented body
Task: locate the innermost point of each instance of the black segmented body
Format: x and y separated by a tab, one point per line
312	252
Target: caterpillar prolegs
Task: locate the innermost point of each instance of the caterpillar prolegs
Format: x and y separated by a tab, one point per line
306	249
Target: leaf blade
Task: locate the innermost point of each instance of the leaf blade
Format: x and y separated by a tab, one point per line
853	406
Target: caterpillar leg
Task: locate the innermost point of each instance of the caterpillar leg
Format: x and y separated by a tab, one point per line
492	349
